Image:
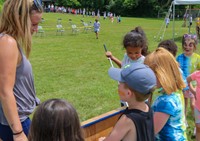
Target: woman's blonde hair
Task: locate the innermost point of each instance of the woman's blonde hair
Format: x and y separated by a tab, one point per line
166	69
15	21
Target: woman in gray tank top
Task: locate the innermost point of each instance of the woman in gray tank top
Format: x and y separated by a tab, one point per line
19	20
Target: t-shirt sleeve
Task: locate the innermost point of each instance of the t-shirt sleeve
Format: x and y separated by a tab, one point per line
195	75
166	106
124	60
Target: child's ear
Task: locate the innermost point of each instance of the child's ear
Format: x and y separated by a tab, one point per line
129	93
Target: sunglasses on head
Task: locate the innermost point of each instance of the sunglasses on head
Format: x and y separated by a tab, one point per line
38	3
192	36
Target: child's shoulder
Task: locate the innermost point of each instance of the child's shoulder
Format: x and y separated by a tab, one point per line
166	97
195	55
182	57
196	73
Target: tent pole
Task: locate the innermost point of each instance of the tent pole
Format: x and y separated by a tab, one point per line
189	18
173	19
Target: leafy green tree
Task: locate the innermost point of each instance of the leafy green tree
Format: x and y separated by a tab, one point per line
137	8
68	3
130	4
116	7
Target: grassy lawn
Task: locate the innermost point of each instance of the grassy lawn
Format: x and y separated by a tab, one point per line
74	66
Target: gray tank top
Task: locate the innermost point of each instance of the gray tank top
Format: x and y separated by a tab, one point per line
24	91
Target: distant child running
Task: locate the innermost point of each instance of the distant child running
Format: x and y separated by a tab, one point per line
137	83
169	123
135	43
96	28
190	21
167	20
189	62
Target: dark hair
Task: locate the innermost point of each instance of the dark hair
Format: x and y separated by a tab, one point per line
170	46
136	38
55	120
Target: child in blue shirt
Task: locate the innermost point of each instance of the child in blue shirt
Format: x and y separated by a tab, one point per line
169	117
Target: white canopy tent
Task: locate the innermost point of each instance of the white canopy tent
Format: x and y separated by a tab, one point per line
182	2
186	2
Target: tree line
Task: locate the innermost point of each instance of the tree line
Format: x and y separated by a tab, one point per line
136	8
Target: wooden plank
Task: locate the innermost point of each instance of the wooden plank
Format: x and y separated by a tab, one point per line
101	125
103	133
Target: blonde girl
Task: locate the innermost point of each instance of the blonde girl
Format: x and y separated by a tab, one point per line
168	108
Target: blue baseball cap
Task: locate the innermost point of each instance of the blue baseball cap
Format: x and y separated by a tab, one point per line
137	76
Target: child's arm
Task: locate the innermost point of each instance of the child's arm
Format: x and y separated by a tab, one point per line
122	130
160	120
192	89
113	58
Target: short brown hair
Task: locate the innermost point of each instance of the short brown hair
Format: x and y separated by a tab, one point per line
170	46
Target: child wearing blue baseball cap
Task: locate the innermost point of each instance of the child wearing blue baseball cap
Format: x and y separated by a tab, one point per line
136	83
168	108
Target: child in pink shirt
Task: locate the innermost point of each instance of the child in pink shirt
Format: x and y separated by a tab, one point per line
195	76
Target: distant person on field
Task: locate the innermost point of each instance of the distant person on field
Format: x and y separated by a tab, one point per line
136	83
96	28
55	120
190	21
119	19
104	15
169	121
136	46
112	19
167	20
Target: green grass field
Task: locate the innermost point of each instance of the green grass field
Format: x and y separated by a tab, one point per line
74	66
